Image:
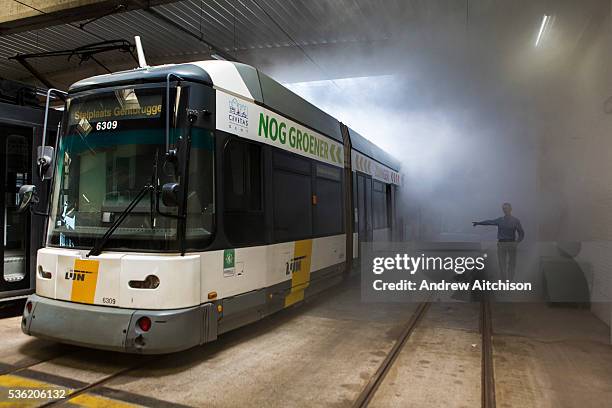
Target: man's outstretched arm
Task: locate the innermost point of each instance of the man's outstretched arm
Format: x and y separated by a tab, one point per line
486	222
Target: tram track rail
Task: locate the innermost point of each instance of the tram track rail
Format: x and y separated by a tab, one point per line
366	395
487	370
98	383
8	369
14	369
73	387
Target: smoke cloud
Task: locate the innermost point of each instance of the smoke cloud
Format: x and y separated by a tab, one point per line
479	115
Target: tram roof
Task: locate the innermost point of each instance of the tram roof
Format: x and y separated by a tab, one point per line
366	147
235	78
249	83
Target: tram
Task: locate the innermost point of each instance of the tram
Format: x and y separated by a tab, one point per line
21	123
191	199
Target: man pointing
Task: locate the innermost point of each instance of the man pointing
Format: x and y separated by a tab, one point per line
508	227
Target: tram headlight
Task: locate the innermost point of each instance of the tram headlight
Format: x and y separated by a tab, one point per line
151	282
43	274
29	307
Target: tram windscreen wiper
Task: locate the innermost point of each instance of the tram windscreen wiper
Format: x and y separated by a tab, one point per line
97	249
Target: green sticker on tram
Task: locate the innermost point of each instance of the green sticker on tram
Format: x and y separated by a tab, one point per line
229	258
281	132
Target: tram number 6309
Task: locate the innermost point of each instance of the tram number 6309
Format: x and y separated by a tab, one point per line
107	125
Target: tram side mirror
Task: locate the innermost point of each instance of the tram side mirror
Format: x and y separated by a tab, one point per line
170	166
45	155
170	194
27	197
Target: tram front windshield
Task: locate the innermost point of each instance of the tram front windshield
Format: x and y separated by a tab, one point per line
107	154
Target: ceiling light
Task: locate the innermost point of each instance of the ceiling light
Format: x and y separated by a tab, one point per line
543	28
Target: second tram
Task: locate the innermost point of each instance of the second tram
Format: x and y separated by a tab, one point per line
21	123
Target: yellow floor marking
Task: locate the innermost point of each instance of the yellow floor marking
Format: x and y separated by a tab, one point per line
19	403
14	382
95	401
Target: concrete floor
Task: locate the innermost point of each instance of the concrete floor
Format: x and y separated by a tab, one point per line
550	357
440	364
324	352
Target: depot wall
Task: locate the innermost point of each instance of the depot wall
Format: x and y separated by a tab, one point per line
575	168
594	174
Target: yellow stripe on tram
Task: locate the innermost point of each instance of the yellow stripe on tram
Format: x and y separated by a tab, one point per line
300	278
85	280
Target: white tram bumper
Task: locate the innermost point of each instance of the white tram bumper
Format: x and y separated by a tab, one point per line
116	329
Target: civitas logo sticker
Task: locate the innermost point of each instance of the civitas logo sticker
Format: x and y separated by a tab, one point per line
238	115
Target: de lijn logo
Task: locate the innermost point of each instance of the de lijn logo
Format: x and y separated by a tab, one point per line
238	116
75	274
294	265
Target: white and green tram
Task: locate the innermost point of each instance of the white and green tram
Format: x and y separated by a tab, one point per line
191	199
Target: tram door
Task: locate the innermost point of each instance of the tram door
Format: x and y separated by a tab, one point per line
15	170
364	208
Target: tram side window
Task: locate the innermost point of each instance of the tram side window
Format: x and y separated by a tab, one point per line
379	205
292	197
328	209
200	196
242	182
